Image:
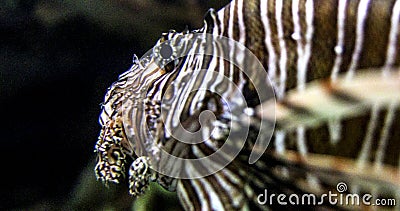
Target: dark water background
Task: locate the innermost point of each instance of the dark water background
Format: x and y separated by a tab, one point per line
57	60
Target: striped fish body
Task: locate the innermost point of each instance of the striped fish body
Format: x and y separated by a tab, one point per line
301	41
297	42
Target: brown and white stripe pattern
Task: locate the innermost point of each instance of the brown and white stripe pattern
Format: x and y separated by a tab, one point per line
362	12
392	49
346	30
339	48
304	40
298	41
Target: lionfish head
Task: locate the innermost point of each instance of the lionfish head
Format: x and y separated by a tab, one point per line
113	148
133	127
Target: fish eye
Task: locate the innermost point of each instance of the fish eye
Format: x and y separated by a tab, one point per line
165	54
166	51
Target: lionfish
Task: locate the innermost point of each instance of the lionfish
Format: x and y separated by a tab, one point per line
333	66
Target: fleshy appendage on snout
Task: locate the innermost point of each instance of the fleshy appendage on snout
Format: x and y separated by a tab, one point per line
114	150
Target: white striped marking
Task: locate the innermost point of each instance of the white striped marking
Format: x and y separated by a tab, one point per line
230	35
281	148
302	148
361	18
221	67
341	18
215	201
231	19
280	141
221	15
268	42
199	190
366	148
209	75
380	153
335	130
235	196
242	28
282	45
301	140
184	197
309	32
177	106
303	51
220	60
240	56
393	38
